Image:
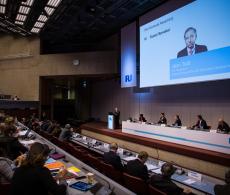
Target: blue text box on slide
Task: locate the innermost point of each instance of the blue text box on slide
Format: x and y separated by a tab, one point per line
207	63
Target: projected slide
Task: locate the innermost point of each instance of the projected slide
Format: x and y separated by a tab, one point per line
190	44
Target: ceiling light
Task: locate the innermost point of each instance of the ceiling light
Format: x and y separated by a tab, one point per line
35	30
2	9
21	17
3	2
42	18
53	3
24	10
49	10
39	24
28	2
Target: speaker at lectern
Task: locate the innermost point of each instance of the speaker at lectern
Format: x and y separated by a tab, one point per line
111	123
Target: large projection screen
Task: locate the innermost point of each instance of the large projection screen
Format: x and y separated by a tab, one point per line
185	42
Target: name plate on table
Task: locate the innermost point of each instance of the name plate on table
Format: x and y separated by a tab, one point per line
106	145
94	141
195	175
160	163
163	125
120	150
213	131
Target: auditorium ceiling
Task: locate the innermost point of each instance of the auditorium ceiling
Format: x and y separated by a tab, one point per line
69	22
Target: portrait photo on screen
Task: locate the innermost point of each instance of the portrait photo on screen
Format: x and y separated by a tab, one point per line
190	44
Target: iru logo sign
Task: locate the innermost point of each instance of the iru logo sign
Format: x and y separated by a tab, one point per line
128	78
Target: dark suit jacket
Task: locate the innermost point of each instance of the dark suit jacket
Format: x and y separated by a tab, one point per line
112	158
165	185
222	189
223	127
201	125
177	122
198	49
162	120
137	169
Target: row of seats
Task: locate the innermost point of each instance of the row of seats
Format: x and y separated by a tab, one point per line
135	184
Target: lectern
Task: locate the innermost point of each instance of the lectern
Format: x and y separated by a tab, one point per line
111	124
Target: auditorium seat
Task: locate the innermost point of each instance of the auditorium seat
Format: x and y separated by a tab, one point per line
5	189
111	172
135	184
155	191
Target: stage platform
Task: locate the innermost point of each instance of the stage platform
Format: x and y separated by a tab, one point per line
197	153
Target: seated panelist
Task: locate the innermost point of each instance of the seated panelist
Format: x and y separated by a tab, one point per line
163	119
223	126
177	122
142	118
200	124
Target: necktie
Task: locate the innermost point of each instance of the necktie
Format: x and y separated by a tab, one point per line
190	51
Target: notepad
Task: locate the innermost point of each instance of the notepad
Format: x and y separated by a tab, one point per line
73	169
150	166
189	181
50	160
55	165
129	158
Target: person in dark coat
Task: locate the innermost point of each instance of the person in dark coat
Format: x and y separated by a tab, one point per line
137	167
113	158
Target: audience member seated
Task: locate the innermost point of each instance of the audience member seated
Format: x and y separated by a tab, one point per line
113	158
223	126
137	167
45	125
163	182
163	119
66	133
9	143
200	124
177	122
33	178
223	189
142	118
57	130
7	166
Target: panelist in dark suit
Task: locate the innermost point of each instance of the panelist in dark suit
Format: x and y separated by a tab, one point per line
223	126
113	158
137	167
142	118
200	124
116	118
163	182
223	189
177	122
163	119
191	48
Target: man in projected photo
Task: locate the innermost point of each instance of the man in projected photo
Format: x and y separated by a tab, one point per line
191	48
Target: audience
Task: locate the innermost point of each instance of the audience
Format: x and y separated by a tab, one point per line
66	133
9	143
33	178
163	182
137	167
163	119
142	118
223	189
113	158
200	124
223	126
7	166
